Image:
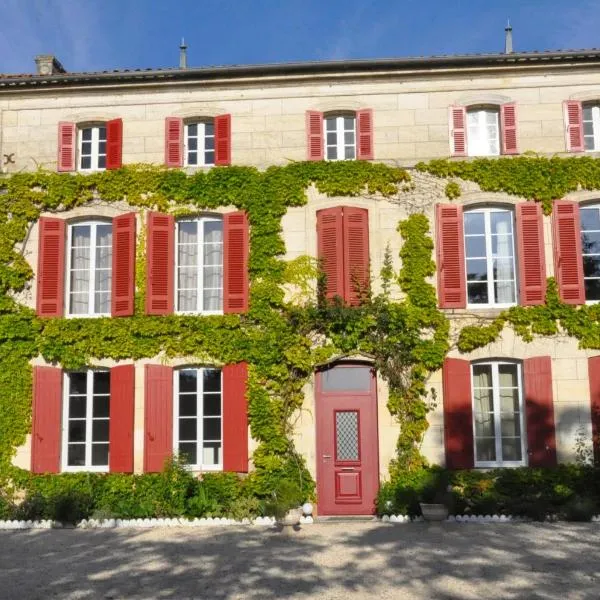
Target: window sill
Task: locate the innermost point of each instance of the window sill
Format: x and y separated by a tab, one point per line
487	312
199	469
504	465
206	313
94	316
85	469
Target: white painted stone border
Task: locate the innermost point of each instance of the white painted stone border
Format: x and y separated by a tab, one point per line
145	523
466	519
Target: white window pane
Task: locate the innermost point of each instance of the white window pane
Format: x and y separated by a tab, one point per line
508	376
484	400
213	255
103	280
80	281
509	400
187	232
188	255
80	258
502	245
475	246
78	304
211	453
213	277
187	300
80	235
474	223
484	425
104	257
188	278
213	300
501	222
482	376
213	232
104	235
511	425
102	304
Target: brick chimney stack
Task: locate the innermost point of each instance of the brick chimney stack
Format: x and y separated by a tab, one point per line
47	64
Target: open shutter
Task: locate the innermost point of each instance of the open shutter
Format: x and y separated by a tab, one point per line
508	124
122	405
235	262
314	135
158	417
364	126
450	251
67	138
594	379
223	140
330	250
568	262
539	411
114	144
458	414
173	142
51	267
46	426
573	112
160	264
123	265
235	418
356	253
532	264
458	130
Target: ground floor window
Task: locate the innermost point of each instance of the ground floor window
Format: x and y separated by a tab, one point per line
198	435
86	420
498	414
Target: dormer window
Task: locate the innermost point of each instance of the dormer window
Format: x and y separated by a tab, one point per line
200	143
92	148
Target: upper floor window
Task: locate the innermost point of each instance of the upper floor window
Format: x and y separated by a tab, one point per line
340	137
198	414
591	127
86	420
199	143
590	249
483	131
498	414
490	257
199	265
89	268
92	148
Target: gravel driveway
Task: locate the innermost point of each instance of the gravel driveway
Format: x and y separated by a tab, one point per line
330	560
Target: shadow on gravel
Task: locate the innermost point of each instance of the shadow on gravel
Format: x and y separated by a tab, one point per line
339	560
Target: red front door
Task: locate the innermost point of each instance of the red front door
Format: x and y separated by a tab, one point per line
347	442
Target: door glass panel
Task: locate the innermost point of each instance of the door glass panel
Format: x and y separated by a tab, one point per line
346	435
347	378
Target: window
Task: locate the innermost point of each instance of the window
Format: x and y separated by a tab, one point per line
200	144
590	247
86	420
340	137
89	267
483	132
198	415
591	127
498	414
199	264
92	148
489	255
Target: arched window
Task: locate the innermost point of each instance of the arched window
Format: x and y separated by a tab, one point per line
490	256
498	413
483	130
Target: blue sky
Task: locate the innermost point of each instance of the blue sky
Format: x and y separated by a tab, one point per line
88	35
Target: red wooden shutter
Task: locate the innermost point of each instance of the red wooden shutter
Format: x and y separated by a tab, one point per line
114	144
235	262
158	417
508	125
173	142
51	267
568	262
160	264
46	420
364	127
356	253
458	130
450	251
458	414
223	140
594	379
123	265
573	125
532	263
539	411
122	408
235	418
330	250
314	135
67	138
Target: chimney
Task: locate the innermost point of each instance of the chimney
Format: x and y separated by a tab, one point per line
182	55
48	65
508	42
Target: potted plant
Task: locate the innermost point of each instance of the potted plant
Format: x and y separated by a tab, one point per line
284	504
436	497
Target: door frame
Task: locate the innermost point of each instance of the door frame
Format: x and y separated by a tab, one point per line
370	395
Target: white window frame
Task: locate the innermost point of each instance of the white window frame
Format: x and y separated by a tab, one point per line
199	417
88	467
595	125
201	144
482	126
92	289
95	142
595	206
340	130
199	266
497	415
488	210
